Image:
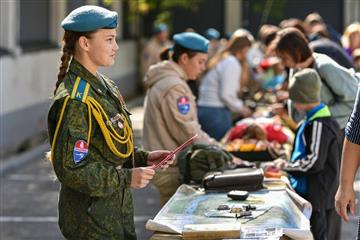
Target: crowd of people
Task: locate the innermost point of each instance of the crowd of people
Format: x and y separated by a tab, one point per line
200	84
308	67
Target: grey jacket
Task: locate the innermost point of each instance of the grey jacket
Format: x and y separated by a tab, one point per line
339	87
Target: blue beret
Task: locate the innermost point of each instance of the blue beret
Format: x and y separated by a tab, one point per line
212	33
192	41
160	28
89	18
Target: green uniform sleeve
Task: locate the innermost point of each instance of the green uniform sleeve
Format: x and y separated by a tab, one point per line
92	175
141	157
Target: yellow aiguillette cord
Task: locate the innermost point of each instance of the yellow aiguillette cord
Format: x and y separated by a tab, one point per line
96	110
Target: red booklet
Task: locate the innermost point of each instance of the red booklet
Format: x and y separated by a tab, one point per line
175	151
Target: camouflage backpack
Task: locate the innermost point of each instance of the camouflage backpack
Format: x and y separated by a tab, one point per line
199	159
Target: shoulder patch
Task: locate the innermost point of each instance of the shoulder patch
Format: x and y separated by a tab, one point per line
81	150
80	90
183	104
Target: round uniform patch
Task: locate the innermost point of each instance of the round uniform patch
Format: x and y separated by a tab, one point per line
183	104
81	149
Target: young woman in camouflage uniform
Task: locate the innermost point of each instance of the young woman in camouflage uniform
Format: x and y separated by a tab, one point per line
90	130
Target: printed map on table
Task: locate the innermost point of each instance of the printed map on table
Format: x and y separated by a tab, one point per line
189	206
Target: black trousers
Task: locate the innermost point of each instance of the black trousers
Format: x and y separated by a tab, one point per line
325	225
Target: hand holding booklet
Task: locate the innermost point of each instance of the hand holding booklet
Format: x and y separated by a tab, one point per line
174	152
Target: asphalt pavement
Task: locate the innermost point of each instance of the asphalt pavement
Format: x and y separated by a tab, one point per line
29	203
29	192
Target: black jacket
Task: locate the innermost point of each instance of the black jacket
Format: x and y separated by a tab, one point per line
321	165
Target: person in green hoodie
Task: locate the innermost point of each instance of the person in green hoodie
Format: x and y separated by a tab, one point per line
92	146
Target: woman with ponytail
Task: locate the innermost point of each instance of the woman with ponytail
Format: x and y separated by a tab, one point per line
92	148
219	89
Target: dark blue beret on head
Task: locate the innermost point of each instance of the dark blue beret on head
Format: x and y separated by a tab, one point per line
90	18
192	41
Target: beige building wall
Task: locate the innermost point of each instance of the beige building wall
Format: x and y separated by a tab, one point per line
233	15
351	12
27	79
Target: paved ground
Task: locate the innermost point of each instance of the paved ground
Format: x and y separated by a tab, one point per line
28	202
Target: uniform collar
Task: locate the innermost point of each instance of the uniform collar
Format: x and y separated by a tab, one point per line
79	70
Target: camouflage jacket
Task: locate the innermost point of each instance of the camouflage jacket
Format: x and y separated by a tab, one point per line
95	199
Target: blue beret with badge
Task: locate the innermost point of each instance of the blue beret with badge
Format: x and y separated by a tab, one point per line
192	41
90	18
212	34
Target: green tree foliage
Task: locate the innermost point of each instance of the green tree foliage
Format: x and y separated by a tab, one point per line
163	8
270	8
